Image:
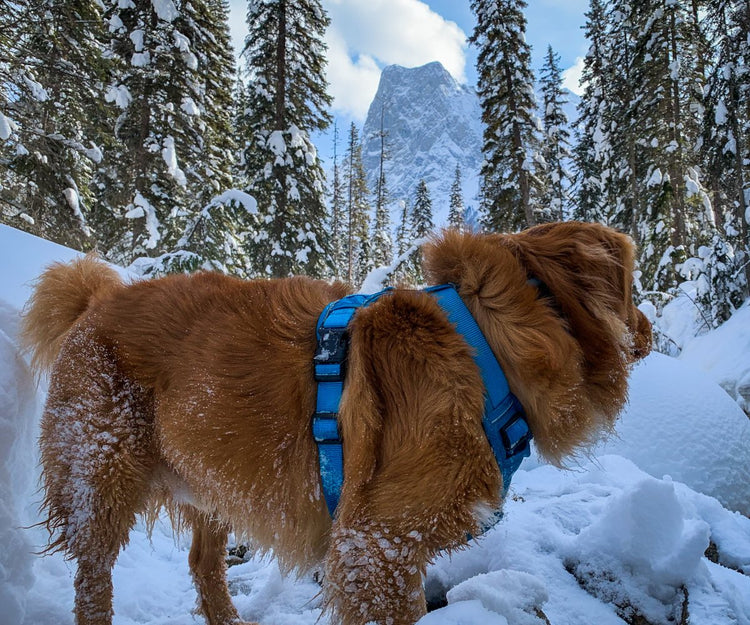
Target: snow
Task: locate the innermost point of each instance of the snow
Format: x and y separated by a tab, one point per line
140	59
74	201
235	196
692	431
189	106
169	154
165	9
607	540
17	424
6	127
723	355
120	95
142	208
136	37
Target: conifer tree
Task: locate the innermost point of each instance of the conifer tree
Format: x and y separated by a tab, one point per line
214	100
287	100
382	245
510	181
725	146
170	155
357	243
609	119
556	149
339	220
403	233
213	239
52	118
211	232
421	226
456	202
590	202
668	95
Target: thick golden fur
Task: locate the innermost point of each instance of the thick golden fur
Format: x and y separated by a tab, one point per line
197	392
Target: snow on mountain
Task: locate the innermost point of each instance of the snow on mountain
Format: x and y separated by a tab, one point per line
605	543
433	124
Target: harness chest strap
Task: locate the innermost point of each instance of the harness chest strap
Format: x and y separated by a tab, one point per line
504	421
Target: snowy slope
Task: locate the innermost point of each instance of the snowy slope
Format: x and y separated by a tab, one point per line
596	544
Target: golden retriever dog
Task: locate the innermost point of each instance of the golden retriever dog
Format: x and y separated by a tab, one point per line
195	393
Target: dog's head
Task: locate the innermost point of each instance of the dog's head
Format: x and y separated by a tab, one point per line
555	303
588	269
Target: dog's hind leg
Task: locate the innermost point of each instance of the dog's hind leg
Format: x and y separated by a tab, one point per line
208	565
98	456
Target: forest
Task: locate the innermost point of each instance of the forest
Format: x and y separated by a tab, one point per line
129	127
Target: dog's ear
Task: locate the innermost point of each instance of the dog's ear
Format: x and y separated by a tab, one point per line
588	269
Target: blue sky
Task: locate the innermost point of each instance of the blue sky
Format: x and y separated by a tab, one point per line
367	35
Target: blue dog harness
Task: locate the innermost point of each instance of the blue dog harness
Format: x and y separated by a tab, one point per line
504	421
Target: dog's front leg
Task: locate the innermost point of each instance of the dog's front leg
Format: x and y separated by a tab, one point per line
374	574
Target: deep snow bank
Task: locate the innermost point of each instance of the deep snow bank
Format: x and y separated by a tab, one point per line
17	472
724	354
680	423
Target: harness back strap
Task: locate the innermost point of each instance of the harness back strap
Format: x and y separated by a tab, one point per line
504	421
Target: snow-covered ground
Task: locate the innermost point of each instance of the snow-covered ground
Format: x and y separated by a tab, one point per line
620	534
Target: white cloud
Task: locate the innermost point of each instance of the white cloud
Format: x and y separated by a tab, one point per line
572	77
351	83
368	34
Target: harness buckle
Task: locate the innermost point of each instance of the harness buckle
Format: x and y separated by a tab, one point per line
516	435
325	428
332	346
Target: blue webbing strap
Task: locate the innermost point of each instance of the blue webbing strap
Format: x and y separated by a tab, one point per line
330	370
504	421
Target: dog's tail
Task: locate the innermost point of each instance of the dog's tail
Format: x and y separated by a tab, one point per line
62	295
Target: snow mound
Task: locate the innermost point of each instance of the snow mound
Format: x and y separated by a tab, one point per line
680	423
512	594
642	552
599	545
23	257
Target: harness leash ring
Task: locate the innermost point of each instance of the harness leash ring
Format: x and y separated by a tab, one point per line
504	421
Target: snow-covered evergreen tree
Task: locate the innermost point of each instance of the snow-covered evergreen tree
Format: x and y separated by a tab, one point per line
421	226
590	129
725	146
287	100
211	43
213	228
357	242
339	219
52	116
510	179
382	244
456	207
403	232
213	239
556	149
666	112
169	151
